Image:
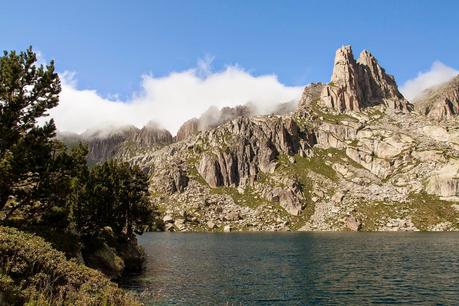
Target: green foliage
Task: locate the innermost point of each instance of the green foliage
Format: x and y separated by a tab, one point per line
247	198
116	196
424	210
48	189
32	272
27	92
429	210
51	199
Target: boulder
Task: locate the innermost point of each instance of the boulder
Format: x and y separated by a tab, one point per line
232	216
168	219
105	259
132	254
352	223
290	201
169	227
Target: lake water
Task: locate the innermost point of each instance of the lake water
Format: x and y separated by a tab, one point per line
298	269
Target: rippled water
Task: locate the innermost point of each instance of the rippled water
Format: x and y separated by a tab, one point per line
299	268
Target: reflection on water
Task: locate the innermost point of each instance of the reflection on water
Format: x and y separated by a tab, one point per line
298	268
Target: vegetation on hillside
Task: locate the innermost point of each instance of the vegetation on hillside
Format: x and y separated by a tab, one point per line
48	189
32	271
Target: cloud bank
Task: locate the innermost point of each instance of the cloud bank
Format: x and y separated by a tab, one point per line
438	73
169	100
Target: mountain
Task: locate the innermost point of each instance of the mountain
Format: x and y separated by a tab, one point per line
212	118
112	142
358	84
215	117
440	102
353	155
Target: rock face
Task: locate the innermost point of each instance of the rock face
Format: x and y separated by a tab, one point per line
151	135
212	118
105	144
255	149
311	93
189	128
215	117
445	181
440	102
357	84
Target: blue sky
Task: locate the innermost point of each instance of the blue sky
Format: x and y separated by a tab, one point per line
110	44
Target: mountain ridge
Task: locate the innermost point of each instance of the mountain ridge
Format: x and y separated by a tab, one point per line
354	155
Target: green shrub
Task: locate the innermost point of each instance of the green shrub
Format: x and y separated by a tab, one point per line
34	273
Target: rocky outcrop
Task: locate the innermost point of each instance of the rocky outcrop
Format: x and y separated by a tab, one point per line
445	181
213	118
330	135
440	102
189	128
258	143
290	198
311	93
151	135
358	84
380	151
171	179
353	224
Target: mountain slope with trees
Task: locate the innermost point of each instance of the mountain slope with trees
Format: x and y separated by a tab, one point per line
48	189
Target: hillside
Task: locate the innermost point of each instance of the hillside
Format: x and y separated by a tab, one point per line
34	273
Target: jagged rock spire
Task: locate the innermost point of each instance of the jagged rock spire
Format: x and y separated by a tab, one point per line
358	84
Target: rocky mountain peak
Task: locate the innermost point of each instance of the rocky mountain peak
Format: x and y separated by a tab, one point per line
106	143
213	118
440	102
358	84
152	134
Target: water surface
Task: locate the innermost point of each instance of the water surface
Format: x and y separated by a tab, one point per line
298	269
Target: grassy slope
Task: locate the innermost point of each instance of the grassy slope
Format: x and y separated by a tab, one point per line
32	272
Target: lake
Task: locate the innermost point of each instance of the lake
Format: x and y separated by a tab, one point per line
298	269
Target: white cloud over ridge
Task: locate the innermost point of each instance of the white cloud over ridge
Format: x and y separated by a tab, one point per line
169	100
438	73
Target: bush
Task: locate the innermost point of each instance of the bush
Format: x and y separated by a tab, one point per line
32	272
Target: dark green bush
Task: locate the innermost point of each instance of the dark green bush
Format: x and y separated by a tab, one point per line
32	272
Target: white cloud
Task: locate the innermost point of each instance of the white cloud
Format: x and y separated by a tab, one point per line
169	100
438	73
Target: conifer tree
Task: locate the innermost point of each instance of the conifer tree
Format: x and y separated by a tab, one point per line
27	92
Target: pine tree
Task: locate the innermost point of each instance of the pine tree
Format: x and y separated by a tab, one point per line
117	196
27	92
